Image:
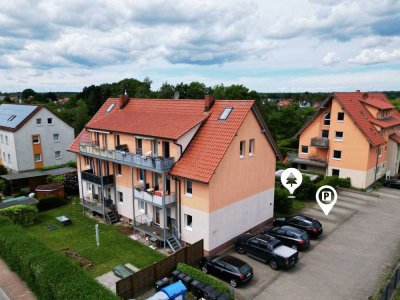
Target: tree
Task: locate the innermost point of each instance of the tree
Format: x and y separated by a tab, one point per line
81	116
196	90
166	91
27	93
50	95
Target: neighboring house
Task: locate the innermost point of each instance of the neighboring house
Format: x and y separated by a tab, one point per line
354	135
304	104
196	169
284	102
32	137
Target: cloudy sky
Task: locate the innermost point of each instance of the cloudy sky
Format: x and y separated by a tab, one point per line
285	45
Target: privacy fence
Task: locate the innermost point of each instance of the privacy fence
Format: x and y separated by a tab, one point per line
392	284
144	279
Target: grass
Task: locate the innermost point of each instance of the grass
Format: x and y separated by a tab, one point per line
297	205
115	248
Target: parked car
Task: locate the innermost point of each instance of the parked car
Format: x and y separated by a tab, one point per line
229	268
310	225
267	249
290	236
392	183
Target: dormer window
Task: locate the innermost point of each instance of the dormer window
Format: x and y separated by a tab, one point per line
225	114
11	118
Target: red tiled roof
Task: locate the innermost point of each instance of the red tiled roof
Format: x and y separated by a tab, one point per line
284	102
395	137
209	145
361	116
385	123
377	100
83	137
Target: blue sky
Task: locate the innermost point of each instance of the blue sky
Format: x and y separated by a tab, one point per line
286	45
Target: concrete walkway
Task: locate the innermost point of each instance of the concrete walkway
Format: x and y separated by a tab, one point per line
11	286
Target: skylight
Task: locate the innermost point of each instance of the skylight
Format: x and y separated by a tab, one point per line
11	118
225	113
110	107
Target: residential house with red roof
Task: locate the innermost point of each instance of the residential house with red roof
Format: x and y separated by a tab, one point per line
179	170
354	135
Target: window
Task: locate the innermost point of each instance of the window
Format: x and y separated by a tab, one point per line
251	147
38	157
4	156
225	114
188	222
119	169
6	140
189	188
340	116
143	206
87	161
141	174
242	145
335	172
50	121
337	154
110	107
304	149
39	121
121	197
138	146
325	133
57	154
338	135
36	139
117	140
9	158
11	118
56	137
1	138
327	119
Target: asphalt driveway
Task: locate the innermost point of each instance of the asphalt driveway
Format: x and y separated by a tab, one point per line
360	242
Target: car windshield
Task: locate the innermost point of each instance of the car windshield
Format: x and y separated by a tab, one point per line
304	236
244	269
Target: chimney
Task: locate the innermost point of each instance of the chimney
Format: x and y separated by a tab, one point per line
208	102
123	100
357	91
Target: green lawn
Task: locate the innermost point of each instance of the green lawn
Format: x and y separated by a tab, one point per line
115	248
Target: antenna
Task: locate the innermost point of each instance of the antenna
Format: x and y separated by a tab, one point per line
176	94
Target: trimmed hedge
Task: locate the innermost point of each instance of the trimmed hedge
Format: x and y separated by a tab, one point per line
49	274
335	181
51	202
21	214
198	275
282	203
5	220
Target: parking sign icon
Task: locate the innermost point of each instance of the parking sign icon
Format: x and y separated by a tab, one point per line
326	197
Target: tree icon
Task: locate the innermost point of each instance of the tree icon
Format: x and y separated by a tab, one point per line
291	180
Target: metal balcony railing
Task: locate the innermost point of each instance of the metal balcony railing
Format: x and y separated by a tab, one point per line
320	142
154	197
89	175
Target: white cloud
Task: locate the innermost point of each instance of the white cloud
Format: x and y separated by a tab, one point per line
375	56
330	59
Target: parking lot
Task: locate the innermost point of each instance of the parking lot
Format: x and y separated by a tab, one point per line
360	242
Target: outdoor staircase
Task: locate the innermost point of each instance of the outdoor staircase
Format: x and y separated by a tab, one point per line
174	244
111	217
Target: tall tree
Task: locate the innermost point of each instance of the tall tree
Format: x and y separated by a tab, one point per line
27	93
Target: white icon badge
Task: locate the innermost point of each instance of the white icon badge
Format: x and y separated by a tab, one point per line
326	197
291	179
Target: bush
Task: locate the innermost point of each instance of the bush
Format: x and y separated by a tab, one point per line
50	202
21	214
335	181
71	184
198	275
3	170
56	179
49	274
71	164
281	165
306	191
5	220
283	204
4	187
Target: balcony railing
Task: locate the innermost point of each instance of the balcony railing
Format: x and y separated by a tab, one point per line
146	162
89	175
310	160
155	198
320	142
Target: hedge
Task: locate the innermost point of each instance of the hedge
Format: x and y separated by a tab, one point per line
198	275
5	220
49	274
50	202
282	203
21	214
335	181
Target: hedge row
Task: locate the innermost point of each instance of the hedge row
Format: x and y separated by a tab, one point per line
21	214
335	181
198	275
51	202
49	274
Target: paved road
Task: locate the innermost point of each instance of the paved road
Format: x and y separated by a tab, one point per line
361	239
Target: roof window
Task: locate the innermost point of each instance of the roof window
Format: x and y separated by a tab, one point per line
110	107
225	113
11	118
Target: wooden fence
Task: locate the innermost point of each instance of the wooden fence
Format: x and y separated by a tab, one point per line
144	279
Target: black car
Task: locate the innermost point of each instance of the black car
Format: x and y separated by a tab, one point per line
267	249
312	226
229	268
290	236
392	183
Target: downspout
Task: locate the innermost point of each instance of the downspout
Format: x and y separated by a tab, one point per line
80	170
178	197
180	147
376	164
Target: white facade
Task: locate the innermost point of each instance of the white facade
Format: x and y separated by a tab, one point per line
54	137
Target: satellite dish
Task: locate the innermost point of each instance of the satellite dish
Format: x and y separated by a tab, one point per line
176	95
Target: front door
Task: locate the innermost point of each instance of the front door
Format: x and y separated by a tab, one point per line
166	149
155	148
157	216
169	219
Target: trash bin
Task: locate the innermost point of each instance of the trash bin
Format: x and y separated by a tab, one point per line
187	280
175	275
197	288
211	293
181	276
223	296
162	283
175	291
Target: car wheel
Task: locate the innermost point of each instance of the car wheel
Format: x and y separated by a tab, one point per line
273	264
233	283
240	250
294	247
204	269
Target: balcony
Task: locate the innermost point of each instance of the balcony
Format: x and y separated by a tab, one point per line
320	142
155	197
89	175
155	164
310	160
